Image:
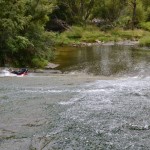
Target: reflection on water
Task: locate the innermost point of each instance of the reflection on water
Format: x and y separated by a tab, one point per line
102	60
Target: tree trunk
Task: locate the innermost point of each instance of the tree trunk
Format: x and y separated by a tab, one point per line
134	14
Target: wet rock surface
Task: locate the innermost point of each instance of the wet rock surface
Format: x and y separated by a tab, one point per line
111	43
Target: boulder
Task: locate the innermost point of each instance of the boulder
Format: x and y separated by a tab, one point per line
57	25
51	66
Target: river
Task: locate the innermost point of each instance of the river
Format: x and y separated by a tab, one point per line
83	109
105	60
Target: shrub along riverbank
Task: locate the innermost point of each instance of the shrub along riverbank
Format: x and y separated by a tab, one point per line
77	35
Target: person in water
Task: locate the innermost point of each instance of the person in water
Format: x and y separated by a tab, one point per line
19	72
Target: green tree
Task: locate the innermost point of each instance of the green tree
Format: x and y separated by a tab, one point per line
35	31
22	35
135	12
12	20
75	11
109	10
133	4
146	5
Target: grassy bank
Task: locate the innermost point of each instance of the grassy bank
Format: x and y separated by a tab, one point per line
92	34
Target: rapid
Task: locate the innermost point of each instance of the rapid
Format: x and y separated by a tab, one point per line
82	109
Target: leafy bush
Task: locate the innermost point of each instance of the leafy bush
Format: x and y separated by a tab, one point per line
22	33
145	25
91	34
18	43
82	34
148	14
39	62
145	41
127	34
74	33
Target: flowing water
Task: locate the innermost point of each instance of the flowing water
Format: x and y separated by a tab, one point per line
104	60
80	111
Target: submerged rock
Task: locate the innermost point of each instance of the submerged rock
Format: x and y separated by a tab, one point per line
111	43
51	66
47	71
57	25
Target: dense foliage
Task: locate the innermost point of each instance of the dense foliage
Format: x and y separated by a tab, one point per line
119	19
113	11
23	38
25	41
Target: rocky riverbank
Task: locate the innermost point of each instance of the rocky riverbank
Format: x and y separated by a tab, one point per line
99	43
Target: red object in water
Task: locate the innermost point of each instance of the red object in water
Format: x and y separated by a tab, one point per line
21	72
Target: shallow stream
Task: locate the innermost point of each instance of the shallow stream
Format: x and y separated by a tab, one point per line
77	111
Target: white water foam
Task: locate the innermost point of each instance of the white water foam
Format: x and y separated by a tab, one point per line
6	73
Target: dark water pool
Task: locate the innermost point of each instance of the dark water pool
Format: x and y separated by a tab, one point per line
103	60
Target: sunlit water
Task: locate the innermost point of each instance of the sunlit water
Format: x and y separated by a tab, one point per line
65	113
